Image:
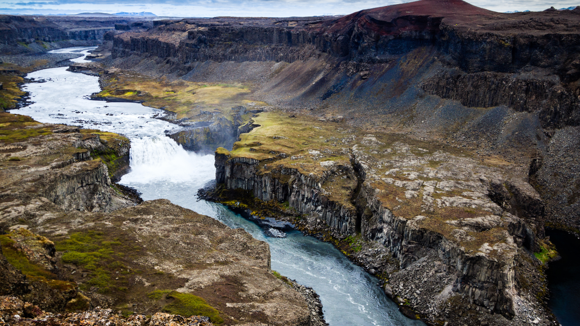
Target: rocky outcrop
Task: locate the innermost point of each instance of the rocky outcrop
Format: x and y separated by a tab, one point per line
73	180
12	281
35	255
17	312
413	208
213	130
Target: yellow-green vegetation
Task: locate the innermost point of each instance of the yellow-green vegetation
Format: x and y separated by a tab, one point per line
17	257
110	156
300	139
222	151
11	78
355	242
100	256
280	277
186	305
112	139
547	251
16	128
186	99
10	92
79	303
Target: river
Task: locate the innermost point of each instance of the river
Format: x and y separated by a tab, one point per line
160	168
563	276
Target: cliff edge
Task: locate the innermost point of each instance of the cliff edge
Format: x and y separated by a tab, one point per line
72	241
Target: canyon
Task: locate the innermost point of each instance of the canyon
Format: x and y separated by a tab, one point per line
72	241
432	142
507	87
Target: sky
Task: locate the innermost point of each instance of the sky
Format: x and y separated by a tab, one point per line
244	8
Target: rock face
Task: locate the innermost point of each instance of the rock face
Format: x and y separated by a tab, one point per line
556	106
22	34
216	131
413	207
106	251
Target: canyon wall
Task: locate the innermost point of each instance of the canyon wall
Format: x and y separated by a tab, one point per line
481	279
34	34
506	87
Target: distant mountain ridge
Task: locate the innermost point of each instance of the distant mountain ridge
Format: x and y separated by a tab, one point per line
140	14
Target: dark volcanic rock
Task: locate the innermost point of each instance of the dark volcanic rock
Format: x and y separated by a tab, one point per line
436	69
27	34
213	131
12	282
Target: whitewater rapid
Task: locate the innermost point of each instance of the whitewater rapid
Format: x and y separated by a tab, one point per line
160	168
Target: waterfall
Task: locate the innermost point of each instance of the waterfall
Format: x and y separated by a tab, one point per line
155	151
162	159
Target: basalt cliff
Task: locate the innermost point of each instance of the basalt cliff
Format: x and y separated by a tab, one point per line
35	34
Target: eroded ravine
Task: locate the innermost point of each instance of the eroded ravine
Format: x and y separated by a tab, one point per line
162	169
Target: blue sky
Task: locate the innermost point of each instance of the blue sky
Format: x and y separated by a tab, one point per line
242	8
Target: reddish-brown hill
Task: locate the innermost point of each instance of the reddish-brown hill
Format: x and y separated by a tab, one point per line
413	16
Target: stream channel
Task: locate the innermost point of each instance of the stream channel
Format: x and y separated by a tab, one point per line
160	168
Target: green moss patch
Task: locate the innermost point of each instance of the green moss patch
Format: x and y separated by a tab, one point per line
34	272
547	252
91	251
185	304
283	278
354	242
18	259
17	128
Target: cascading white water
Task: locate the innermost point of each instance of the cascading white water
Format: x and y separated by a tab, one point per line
162	159
152	151
160	168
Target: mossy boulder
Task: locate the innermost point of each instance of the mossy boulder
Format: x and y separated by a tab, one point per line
34	257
